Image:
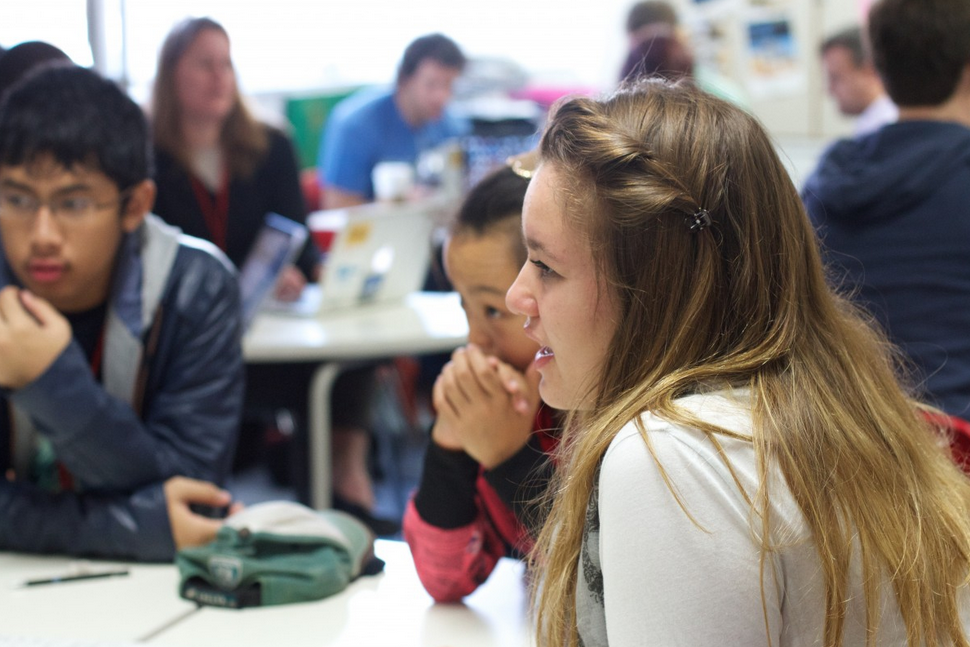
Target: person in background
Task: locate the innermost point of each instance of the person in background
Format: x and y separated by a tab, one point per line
398	124
219	172
121	373
20	59
663	56
370	127
489	445
657	19
854	83
893	208
741	465
649	19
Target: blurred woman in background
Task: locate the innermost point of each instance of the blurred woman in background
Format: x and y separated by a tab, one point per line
219	170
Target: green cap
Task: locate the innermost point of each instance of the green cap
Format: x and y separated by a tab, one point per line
276	553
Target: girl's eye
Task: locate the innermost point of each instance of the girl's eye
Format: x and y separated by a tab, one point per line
544	270
493	313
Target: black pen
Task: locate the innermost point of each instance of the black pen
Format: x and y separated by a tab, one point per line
75	578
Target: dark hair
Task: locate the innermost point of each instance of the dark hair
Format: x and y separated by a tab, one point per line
79	118
437	47
26	57
650	12
850	39
497	197
661	56
920	48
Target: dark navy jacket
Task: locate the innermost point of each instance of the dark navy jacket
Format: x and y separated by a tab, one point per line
893	212
168	404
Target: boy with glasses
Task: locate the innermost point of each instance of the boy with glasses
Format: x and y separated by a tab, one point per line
120	361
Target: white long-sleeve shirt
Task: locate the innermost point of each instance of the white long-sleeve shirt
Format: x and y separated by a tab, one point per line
649	575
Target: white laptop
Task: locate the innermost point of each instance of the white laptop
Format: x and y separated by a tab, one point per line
277	245
382	254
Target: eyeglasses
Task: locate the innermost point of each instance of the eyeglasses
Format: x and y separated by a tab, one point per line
21	207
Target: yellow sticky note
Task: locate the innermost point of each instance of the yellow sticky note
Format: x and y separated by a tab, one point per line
357	234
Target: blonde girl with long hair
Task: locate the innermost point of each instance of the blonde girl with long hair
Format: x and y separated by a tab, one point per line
743	466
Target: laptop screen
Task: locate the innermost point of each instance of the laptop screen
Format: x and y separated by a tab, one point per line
381	254
278	243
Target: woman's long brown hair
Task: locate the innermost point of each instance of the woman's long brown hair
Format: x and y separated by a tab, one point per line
745	303
244	140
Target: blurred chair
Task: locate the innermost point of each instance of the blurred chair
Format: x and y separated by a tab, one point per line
312	190
957	431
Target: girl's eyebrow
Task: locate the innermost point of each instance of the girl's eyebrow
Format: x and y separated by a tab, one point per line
537	246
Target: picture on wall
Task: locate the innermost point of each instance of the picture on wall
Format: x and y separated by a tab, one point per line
773	64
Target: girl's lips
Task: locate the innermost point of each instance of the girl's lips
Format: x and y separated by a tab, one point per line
543	356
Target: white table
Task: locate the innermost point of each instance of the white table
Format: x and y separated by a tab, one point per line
391	609
128	608
425	322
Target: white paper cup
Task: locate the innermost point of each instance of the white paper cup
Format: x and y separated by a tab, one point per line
393	181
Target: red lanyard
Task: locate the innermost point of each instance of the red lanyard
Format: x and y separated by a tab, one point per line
214	212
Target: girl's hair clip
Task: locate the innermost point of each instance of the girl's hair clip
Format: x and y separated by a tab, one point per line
700	219
524	164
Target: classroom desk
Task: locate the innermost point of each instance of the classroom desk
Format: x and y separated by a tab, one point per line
391	609
129	608
425	322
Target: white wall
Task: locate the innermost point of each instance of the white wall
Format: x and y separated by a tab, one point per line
801	110
298	46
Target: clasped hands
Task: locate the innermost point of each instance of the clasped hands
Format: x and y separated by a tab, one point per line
484	406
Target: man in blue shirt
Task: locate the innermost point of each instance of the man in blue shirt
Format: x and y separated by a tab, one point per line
396	124
374	126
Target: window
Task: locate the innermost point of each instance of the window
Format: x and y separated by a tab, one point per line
63	23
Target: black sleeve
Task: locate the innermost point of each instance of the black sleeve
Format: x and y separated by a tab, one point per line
288	194
521	480
446	493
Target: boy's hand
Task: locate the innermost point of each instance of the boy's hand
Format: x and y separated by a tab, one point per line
524	389
188	528
486	404
444	433
446	430
32	335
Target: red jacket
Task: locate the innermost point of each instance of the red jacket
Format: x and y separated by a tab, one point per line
462	518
